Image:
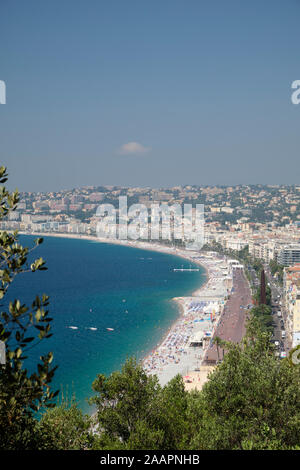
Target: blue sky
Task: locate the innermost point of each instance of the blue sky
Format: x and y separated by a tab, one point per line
150	93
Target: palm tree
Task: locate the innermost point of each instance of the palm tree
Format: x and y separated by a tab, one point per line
263	297
218	342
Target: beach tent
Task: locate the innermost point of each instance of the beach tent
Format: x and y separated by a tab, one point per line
197	339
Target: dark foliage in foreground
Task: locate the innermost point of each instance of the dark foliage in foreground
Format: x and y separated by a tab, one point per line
251	401
22	393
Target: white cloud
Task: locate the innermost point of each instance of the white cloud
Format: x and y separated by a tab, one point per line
133	148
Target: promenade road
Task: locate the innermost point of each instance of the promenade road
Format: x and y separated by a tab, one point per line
232	324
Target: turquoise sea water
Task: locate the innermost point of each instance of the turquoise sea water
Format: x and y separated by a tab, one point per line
99	285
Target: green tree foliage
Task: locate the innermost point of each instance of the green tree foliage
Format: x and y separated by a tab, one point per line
263	297
263	314
21	327
257	265
268	293
65	427
276	270
256	296
135	412
213	246
251	400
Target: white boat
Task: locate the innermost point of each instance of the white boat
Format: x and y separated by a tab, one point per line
186	269
73	327
110	329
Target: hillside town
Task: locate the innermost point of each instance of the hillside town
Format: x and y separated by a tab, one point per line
249	208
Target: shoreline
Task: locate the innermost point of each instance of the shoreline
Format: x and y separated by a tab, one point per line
178	352
142	245
172	354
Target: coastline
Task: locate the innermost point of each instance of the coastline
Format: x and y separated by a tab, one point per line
183	348
173	355
181	253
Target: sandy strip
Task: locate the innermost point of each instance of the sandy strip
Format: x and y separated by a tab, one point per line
200	314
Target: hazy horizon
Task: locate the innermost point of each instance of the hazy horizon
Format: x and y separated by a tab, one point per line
166	188
155	94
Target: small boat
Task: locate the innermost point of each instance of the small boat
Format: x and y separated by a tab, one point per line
92	328
110	329
186	269
73	327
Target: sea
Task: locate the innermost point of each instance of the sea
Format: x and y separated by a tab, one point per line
117	299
